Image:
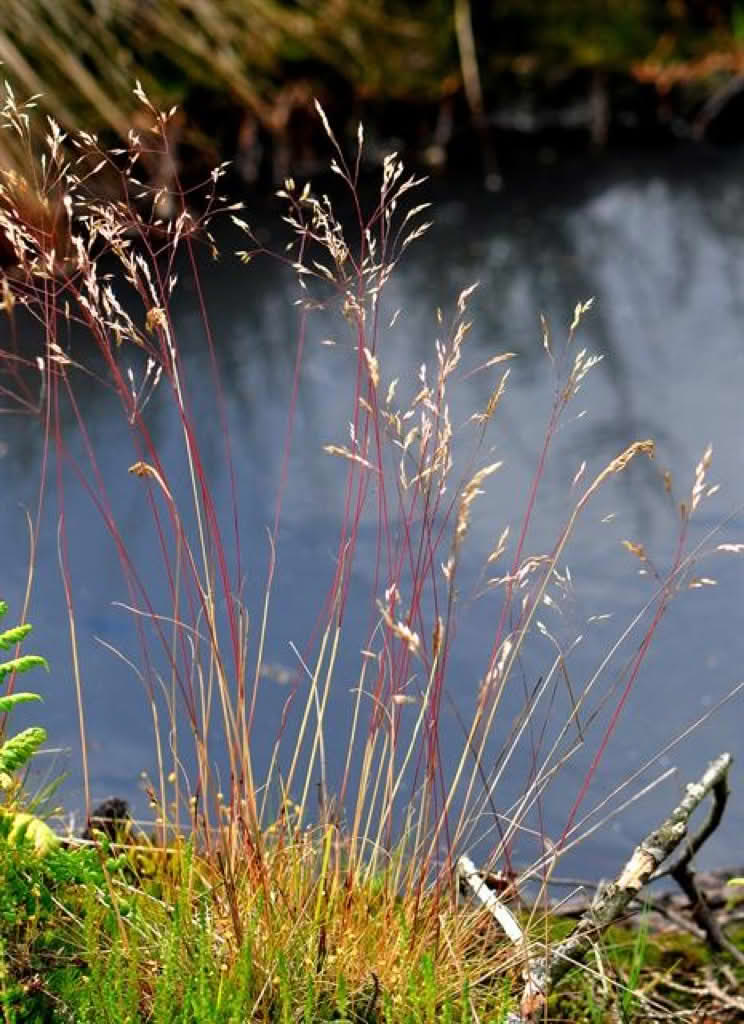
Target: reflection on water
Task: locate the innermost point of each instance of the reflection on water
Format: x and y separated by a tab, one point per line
662	249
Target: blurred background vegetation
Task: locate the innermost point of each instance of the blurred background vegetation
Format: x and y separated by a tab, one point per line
445	80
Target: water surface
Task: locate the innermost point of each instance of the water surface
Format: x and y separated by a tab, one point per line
660	245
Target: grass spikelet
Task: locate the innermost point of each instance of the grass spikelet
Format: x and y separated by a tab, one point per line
636	549
493	401
581	309
470	492
344	453
404	633
698	488
500	548
618	464
143	469
462	298
373	368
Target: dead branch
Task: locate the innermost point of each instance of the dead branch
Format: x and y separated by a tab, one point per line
611	901
683	874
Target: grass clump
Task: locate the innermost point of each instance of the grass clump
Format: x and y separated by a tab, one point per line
250	897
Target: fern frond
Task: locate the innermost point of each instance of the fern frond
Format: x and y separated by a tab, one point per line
19	749
22	664
9	702
25	826
14	636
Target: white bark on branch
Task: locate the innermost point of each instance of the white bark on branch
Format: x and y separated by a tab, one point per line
542	973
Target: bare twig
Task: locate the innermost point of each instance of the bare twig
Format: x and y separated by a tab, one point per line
612	900
683	874
701	911
714	989
474	880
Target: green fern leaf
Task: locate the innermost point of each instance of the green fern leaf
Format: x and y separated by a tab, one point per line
23	664
14	636
9	702
27	826
19	749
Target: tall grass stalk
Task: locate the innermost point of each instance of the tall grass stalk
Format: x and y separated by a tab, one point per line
364	889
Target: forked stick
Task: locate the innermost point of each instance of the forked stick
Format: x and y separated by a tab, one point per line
543	973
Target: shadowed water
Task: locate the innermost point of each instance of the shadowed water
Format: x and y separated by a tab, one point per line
661	248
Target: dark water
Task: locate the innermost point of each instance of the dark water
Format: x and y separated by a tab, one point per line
661	247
